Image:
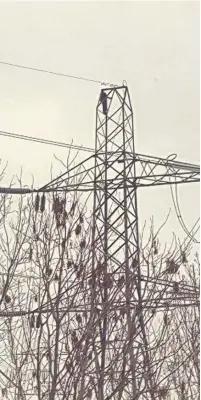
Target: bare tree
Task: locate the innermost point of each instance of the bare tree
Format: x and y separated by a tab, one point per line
52	310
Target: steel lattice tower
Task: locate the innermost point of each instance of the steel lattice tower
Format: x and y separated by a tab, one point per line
115	202
113	175
115	217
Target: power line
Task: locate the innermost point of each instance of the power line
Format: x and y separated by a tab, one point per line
179	216
45	141
138	157
143	157
56	73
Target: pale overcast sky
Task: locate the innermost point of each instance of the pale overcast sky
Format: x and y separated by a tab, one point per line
154	46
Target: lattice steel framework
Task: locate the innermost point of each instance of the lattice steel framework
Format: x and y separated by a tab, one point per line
115	219
115	203
114	179
113	175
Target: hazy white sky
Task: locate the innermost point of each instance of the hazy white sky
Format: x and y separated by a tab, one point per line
154	46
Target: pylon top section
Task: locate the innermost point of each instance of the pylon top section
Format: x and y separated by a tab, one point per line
115	153
114	128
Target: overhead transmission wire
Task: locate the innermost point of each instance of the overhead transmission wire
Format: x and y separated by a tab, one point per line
138	157
45	141
46	71
61	144
91	150
180	218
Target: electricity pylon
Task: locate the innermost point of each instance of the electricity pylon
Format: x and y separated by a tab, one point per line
114	174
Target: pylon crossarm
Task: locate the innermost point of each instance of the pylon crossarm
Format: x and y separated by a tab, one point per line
81	173
150	171
166	179
153	171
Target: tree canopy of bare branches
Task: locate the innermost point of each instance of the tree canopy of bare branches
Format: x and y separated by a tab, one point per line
52	336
